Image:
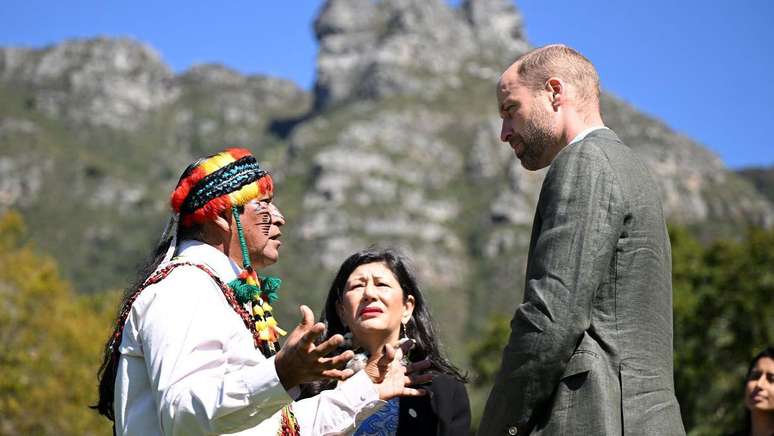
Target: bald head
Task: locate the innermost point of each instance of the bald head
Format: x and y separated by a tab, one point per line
537	66
546	98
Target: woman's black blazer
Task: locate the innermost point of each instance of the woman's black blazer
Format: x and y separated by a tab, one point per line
445	410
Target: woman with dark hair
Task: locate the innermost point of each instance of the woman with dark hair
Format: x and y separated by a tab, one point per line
759	395
375	300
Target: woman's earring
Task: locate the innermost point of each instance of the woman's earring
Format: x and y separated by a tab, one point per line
405	360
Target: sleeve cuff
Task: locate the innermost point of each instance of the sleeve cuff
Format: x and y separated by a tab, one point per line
339	410
358	390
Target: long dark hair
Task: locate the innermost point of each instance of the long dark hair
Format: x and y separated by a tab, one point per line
766	352
419	327
109	368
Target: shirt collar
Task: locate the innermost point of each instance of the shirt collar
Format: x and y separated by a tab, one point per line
583	134
199	252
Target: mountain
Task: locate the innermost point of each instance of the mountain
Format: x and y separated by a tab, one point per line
760	177
397	144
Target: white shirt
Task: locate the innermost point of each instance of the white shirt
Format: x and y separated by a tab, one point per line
188	365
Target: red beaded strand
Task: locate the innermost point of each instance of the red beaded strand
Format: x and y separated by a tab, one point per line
289	425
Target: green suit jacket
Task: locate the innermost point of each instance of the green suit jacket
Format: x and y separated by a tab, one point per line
590	351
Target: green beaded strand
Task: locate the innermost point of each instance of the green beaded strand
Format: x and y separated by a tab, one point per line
242	243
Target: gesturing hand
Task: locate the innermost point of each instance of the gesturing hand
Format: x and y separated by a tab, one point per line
393	379
300	360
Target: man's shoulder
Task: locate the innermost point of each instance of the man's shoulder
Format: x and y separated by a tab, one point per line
600	149
585	155
606	142
598	142
179	278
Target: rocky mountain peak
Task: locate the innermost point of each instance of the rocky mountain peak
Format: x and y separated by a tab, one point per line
221	105
343	17
430	17
212	75
102	57
498	26
101	81
390	47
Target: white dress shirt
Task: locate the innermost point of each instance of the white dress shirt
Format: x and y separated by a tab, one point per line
188	365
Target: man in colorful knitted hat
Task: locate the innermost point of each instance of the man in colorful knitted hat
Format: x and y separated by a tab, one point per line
195	348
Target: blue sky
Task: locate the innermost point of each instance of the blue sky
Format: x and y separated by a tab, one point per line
705	68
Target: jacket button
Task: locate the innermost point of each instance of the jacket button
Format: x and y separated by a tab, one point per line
513	430
412	413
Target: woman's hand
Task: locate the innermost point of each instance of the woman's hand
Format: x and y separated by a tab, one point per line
393	378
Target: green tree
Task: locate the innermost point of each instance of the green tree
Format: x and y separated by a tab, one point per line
723	316
51	341
485	358
486	354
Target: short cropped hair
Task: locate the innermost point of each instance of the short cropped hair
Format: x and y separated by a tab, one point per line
539	65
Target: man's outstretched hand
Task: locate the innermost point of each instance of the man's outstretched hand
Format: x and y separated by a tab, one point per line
300	360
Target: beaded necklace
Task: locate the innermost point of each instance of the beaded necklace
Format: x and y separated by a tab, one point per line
260	292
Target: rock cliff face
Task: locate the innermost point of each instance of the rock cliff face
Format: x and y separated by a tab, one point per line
405	47
397	145
219	105
101	82
762	178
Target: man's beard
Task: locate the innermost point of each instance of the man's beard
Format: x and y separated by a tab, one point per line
537	138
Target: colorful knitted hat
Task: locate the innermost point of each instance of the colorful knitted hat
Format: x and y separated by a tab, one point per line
230	178
225	180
